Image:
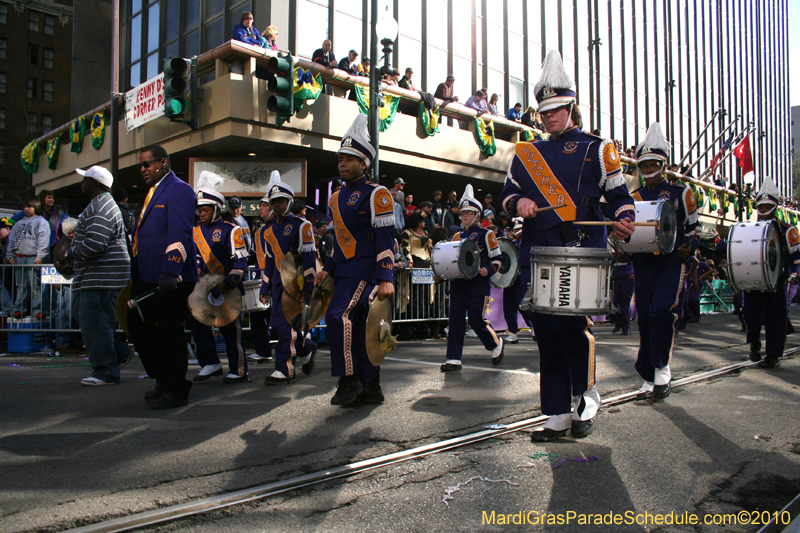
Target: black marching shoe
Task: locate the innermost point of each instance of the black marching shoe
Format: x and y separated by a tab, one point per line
277	378
770	362
308	367
347	390
370	394
662	391
617	327
497	353
755	351
547	435
149	396
168	401
582	428
234	378
450	367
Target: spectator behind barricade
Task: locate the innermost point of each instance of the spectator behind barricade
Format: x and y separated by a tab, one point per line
399	213
299	208
399	183
409	205
234	215
28	244
324	55
415	244
487	204
537	121
475	102
51	214
455	213
405	82
363	67
452	199
444	91
245	32
270	38
488	218
7	286
493	109
102	270
349	64
515	113
527	117
504	228
128	216
392	77
438	208
5	229
426	208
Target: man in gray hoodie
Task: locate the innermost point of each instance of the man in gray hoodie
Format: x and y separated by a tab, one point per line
29	243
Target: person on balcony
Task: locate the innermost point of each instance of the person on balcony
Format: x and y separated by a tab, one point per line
270	39
245	32
349	64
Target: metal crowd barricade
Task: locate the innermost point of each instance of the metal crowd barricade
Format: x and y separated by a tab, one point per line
417	298
38	293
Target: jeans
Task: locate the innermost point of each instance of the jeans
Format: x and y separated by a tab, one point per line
61	316
97	319
28	287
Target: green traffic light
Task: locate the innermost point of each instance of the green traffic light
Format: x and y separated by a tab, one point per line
176	106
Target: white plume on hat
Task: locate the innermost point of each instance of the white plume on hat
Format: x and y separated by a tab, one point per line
358	133
207	185
274	178
553	74
768	192
469	198
654	146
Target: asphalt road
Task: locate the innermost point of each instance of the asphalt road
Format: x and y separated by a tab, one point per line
72	455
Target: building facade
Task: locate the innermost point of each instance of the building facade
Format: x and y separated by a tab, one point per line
634	61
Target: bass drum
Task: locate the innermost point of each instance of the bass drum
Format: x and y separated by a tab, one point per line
509	272
456	260
658	239
755	256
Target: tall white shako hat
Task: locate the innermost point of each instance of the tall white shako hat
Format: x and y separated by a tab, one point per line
278	189
768	193
468	201
206	189
654	147
356	140
555	88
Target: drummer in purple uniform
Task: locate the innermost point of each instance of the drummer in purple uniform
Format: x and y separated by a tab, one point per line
769	308
622	274
573	169
259	320
471	296
286	235
659	278
221	249
513	295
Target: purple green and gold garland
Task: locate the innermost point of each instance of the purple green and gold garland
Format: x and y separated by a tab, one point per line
429	118
77	129
30	157
53	148
485	139
306	87
387	112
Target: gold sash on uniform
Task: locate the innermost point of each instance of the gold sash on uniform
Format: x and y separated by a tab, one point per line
545	180
213	264
269	236
343	236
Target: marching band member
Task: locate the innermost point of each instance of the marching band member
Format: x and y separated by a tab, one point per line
622	274
574	169
259	320
513	295
769	308
221	249
471	296
162	257
363	264
287	234
659	278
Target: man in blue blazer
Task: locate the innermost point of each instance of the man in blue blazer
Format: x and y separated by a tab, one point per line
163	258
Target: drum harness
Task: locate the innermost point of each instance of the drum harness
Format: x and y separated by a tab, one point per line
567	227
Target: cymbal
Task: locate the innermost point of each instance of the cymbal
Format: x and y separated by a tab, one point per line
207	312
65	268
121	307
291	278
320	299
379	330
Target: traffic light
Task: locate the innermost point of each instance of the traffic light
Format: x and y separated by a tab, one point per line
281	86
176	71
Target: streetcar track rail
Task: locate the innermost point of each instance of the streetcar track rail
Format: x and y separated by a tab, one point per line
229	499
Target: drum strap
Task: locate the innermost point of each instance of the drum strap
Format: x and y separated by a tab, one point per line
567	230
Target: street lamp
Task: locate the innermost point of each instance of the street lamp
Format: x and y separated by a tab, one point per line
384	30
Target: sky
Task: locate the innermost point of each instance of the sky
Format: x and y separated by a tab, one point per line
794	53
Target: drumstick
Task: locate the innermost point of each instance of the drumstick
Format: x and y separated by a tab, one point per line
610	223
549	208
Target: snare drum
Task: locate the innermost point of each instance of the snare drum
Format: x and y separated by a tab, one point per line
658	239
755	256
456	259
250	301
570	281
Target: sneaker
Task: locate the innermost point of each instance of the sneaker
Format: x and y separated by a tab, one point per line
511	338
38	315
471	333
17	314
94	382
770	362
347	390
260	359
497	354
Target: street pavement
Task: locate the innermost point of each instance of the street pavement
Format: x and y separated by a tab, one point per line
72	455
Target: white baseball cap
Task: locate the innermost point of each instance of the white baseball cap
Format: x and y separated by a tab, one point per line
99	174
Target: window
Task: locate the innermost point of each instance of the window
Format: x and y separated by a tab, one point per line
3	13
47	123
2	119
3	46
47	91
49	25
33	20
31	122
2	82
33	54
32	83
49	55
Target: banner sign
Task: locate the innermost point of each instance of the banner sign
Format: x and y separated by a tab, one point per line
50	276
144	102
